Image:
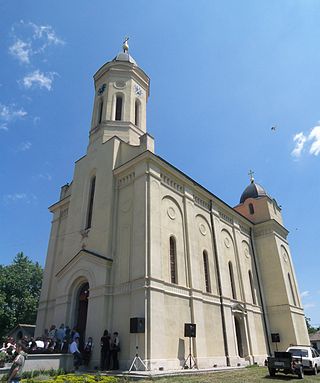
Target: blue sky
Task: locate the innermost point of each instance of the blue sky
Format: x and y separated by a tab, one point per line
222	74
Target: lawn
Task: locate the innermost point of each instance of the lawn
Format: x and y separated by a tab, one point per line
246	375
251	374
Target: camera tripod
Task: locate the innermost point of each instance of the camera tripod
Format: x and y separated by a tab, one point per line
137	360
190	361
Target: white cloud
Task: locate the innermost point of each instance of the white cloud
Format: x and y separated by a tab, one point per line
45	176
304	294
35	40
309	305
36	120
300	140
39	79
47	33
15	196
315	137
21	50
4	127
19	197
9	113
24	146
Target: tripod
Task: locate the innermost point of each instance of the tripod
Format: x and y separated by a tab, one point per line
136	360
190	358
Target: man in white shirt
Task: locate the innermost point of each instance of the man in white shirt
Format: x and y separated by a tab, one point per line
40	343
74	350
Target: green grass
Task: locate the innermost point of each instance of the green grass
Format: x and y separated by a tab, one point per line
245	375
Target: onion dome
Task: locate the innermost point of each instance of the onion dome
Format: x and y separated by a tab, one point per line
253	191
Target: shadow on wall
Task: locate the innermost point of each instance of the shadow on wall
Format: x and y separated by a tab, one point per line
181	351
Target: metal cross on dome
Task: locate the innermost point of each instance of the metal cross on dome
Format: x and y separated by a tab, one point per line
251	173
125	45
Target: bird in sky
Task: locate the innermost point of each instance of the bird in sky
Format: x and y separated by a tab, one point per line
273	128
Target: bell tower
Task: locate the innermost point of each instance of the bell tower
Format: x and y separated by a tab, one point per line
279	284
121	95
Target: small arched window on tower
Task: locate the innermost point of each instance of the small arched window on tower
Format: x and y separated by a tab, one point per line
233	286
100	109
90	202
251	208
206	271
254	301
173	260
118	116
291	289
137	113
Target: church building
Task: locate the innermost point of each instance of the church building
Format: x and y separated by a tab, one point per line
134	237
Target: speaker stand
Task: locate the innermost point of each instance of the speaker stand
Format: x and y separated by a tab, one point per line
190	361
135	360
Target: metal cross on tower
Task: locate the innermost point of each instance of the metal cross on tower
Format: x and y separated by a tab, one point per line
125	45
251	173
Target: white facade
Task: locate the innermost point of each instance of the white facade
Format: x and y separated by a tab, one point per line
147	241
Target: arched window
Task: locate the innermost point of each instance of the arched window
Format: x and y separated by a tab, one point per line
251	208
206	272
274	206
100	111
90	202
118	108
254	301
233	287
292	292
137	113
173	260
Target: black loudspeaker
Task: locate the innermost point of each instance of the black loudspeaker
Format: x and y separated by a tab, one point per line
190	330
275	337
136	325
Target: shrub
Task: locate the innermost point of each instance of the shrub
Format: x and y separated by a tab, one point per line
72	378
35	373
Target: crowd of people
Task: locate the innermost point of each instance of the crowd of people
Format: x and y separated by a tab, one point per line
55	340
67	340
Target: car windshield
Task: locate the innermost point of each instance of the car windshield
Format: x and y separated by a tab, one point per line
299	352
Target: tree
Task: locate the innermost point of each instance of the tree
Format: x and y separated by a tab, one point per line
311	329
20	285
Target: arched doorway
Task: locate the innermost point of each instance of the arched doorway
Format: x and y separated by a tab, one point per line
239	336
240	327
82	311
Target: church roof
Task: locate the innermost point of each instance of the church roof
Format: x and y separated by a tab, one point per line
253	191
315	336
124	56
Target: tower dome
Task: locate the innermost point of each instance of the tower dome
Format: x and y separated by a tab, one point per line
253	190
125	56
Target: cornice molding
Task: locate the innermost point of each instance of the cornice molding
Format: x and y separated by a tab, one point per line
59	204
270	227
180	181
100	258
